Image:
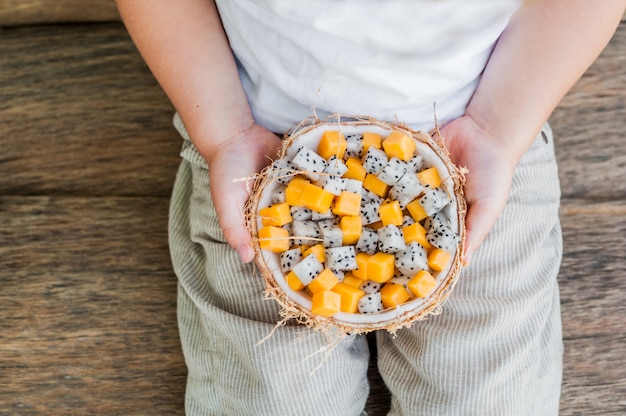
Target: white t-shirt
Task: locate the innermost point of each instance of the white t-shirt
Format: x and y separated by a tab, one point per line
392	60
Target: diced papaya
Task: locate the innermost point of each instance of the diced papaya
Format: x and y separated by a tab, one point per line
361	263
390	213
294	190
429	177
393	294
350	296
438	259
371	140
399	145
317	250
293	282
323	281
416	233
325	303
380	267
422	284
416	210
274	239
276	215
372	183
355	169
316	198
332	143
351	227
347	203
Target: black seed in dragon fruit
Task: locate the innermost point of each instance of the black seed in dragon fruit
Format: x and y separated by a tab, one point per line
393	171
375	160
305	233
371	303
434	200
341	258
308	269
290	258
310	163
412	259
370	286
301	213
368	241
390	239
354	146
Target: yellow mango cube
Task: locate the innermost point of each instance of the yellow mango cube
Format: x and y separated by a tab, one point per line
274	239
416	233
438	259
361	263
293	282
380	267
371	140
317	250
316	198
422	284
355	169
399	145
351	280
326	280
351	227
294	190
325	303
350	296
347	203
332	143
416	210
429	177
372	183
393	294
390	213
276	215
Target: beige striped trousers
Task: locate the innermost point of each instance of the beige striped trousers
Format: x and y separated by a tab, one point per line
495	350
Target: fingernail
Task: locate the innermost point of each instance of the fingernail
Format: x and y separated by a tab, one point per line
466	256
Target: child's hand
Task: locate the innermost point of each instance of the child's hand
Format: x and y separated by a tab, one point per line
488	181
240	157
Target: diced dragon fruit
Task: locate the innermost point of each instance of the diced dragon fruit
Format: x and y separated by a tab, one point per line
440	234
393	171
368	241
310	163
307	269
290	258
353	185
390	239
332	236
333	184
341	258
371	303
434	200
328	215
283	171
370	286
375	160
406	189
301	213
412	259
335	166
407	220
415	164
354	146
278	195
305	232
369	212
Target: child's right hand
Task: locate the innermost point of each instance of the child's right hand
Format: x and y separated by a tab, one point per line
230	161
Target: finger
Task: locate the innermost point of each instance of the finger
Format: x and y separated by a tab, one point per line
481	218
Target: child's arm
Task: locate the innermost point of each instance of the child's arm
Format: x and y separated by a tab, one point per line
545	49
185	46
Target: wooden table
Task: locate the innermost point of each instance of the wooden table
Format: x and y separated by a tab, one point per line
87	293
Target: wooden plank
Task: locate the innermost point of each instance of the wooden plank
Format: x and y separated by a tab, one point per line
590	126
88	308
28	12
82	115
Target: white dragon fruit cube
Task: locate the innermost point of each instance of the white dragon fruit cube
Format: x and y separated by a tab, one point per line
283	171
305	233
415	164
332	236
440	234
408	186
354	146
278	195
434	200
407	220
308	269
371	303
353	185
341	258
301	213
310	163
404	282
368	241
369	212
333	184
370	286
335	166
290	258
374	160
393	171
412	259
390	239
328	215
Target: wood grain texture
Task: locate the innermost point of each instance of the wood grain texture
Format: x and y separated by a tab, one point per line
28	12
87	160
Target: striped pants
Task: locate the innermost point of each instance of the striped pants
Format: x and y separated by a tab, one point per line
495	350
